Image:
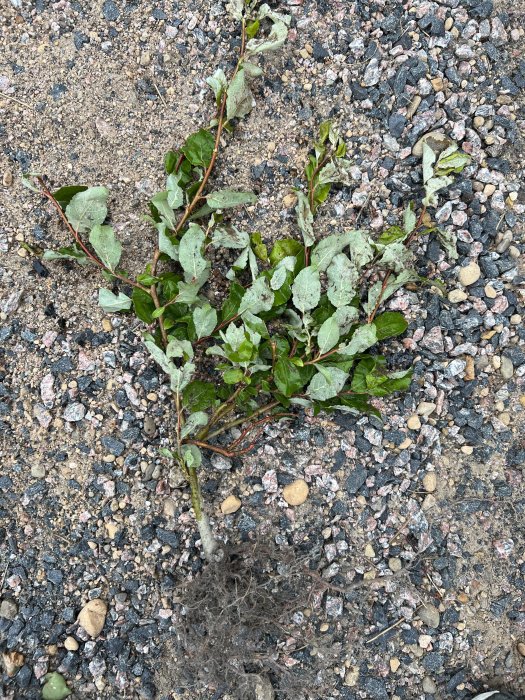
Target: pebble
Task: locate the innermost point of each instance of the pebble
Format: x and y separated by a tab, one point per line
296	493
38	471
8	609
429	686
469	274
395	564
425	408
71	644
230	505
430	482
429	614
395	663
456	296
414	423
506	367
521	648
74	412
7	179
93	616
437	141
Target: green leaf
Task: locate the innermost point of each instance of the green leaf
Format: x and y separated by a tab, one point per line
352	404
289	378
68	253
175	191
259	297
192	456
106	246
255	326
259	247
429	158
233	376
239	101
167	244
409	219
364	337
328	335
170	161
55	687
204	320
179	347
361	251
343	277
199	395
111	302
391	235
231	306
224	199
65	194
88	208
325	251
193	422
251	70
305	219
283	248
143	305
218	83
383	385
306	289
198	148
252	29
451	160
160	202
327	383
389	324
190	254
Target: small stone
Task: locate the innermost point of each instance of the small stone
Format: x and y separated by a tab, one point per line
467	449
222	464
430	482
438	84
521	648
169	508
74	412
230	505
490	292
456	296
395	564
429	686
469	274
352	676
425	408
395	663
12	661
437	141
429	614
70	643
289	200
372	74
424	641
506	367
7	179
93	616
449	23
413	423
8	609
38	471
296	493
489	189
369	551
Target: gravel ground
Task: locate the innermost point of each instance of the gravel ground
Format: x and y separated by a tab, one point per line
426	507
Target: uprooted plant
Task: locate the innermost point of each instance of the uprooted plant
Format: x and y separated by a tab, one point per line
285	328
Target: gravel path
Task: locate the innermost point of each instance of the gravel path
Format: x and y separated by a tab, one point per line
426	507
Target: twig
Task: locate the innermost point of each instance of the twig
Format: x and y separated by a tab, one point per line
14	99
160	95
3	578
388	629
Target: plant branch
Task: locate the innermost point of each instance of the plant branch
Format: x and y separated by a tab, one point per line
243	419
49	196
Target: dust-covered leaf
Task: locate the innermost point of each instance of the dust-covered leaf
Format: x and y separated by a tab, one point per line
199	395
305	219
277	35
224	199
328	335
306	289
409	219
364	337
180	377
73	252
218	83
327	383
448	241
343	277
451	160
433	186
160	202
179	347
192	456
193	422
106	246
190	253
230	238
239	101
278	277
236	9
325	251
88	208
167	245
361	250
376	291
259	297
65	194
113	302
396	256
204	320
175	197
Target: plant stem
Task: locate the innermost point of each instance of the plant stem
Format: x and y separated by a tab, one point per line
243	419
48	195
209	543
